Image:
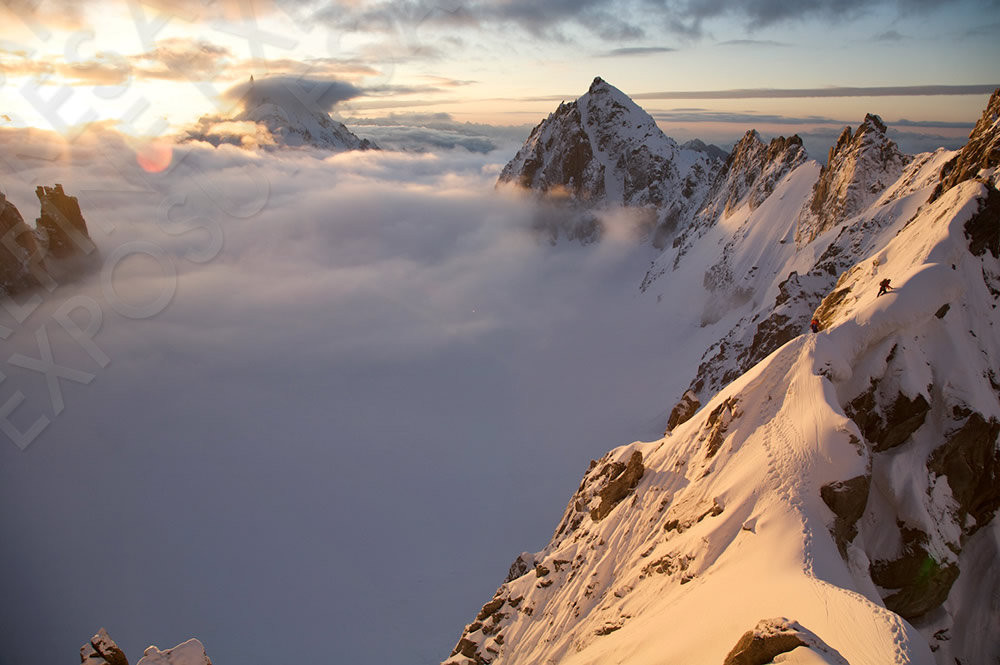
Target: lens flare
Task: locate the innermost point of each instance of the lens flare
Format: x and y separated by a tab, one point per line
155	156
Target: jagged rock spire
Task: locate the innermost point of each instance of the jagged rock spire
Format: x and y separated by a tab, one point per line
981	152
859	168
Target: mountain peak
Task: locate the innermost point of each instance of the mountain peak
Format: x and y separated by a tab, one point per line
278	112
872	121
751	172
604	150
859	168
981	152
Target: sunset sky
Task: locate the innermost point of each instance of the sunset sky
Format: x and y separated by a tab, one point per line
703	68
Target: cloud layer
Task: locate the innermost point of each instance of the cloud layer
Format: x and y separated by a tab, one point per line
339	395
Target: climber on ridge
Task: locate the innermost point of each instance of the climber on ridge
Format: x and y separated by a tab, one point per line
883	287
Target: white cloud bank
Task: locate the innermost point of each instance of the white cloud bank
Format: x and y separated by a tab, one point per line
317	405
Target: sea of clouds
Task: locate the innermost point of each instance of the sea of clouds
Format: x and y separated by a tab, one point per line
307	408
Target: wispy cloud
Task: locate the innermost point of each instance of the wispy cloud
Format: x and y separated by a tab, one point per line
420	132
636	51
696	115
753	42
889	36
789	93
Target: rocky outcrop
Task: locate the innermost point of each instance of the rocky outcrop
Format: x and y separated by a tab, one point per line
983	228
102	650
887	424
847	499
981	152
683	410
970	461
191	652
623	479
21	259
603	150
61	228
918	580
860	166
34	257
772	637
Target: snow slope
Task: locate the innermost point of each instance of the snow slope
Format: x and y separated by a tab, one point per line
729	523
834	499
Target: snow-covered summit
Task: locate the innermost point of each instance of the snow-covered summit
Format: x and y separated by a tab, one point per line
281	112
604	150
295	124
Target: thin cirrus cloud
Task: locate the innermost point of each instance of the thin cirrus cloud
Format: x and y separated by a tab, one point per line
753	42
834	91
629	51
889	36
697	115
615	19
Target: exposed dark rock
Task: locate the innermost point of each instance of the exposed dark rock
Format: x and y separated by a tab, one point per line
942	311
828	308
21	259
490	608
102	650
902	418
921	581
541	571
522	564
847	500
683	410
970	460
467	648
717	424
983	228
981	152
620	486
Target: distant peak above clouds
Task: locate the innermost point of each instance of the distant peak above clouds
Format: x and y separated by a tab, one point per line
283	112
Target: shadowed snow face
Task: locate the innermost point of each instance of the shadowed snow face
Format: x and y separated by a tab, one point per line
314	401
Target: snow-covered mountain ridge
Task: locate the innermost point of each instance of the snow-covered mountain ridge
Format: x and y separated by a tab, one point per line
834	499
